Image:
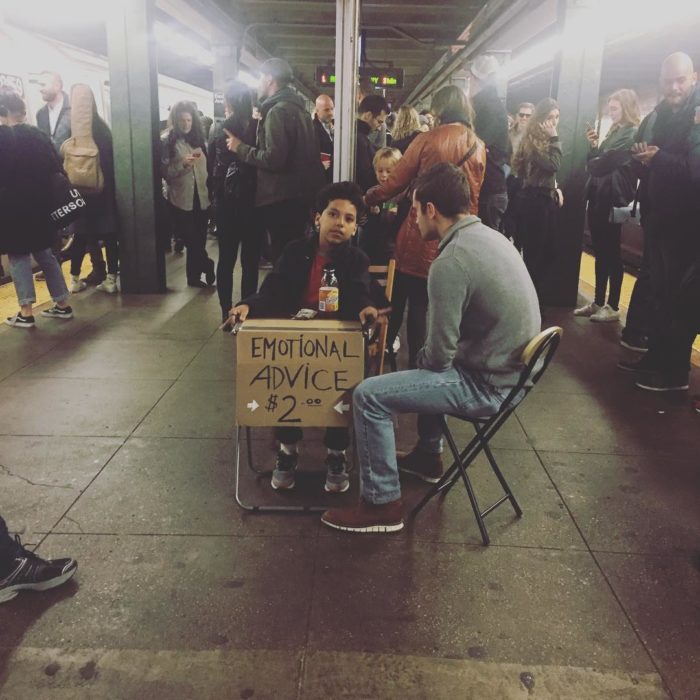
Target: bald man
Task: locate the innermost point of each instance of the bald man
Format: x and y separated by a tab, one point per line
323	123
668	157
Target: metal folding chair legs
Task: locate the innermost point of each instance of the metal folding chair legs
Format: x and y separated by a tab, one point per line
262	508
459	470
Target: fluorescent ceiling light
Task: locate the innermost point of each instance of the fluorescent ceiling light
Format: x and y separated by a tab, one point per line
182	45
620	20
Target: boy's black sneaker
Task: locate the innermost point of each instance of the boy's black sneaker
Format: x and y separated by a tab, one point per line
337	479
55	312
29	572
284	471
19	321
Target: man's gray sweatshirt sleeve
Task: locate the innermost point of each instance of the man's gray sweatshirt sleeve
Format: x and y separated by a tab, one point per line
448	297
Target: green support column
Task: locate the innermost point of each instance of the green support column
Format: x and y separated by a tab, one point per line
135	130
576	87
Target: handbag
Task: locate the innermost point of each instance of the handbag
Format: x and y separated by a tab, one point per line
66	204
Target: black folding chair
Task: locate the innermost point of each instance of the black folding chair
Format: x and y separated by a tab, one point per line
535	358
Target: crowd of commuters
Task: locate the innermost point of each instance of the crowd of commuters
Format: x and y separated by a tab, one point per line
464	197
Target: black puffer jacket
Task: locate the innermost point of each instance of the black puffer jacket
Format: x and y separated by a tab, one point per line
673	195
27	161
287	152
491	126
240	190
282	292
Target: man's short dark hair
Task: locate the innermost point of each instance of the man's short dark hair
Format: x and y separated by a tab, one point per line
340	190
279	70
373	103
447	187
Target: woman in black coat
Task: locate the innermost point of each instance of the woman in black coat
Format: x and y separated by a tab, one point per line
27	162
610	186
232	189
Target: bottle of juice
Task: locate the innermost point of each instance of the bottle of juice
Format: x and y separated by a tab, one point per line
328	294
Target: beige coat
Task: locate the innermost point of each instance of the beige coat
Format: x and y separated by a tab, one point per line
181	179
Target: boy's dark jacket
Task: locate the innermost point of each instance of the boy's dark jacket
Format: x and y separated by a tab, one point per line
282	292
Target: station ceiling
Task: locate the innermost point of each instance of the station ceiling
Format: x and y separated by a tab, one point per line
411	34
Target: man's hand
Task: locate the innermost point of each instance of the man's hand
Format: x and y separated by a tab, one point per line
238	314
188	160
643	152
232	142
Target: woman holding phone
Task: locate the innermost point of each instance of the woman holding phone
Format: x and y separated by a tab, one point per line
536	164
610	185
184	169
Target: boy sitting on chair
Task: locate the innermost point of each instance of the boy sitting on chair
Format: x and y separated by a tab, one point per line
294	283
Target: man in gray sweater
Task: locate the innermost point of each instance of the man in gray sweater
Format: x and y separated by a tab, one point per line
482	312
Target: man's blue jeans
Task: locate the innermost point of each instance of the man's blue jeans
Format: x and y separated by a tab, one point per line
377	399
21	272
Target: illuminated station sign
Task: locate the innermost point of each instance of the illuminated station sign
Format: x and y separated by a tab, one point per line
389	78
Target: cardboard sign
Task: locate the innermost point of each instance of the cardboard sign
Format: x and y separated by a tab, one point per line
297	373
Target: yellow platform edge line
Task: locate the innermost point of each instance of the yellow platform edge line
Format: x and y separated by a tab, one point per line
587	288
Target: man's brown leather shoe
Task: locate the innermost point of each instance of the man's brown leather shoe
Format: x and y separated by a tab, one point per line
366	517
424	465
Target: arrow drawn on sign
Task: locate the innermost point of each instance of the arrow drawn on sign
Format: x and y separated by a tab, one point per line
253	405
342	407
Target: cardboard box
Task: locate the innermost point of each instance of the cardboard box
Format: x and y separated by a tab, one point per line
297	373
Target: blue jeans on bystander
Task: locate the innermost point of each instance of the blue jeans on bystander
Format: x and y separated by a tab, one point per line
21	272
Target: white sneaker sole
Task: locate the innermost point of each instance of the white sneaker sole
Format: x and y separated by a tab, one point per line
283	487
65	317
634	348
369	528
646	387
336	488
11	591
13	324
421	476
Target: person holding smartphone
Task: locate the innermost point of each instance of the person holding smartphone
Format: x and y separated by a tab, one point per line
184	169
610	185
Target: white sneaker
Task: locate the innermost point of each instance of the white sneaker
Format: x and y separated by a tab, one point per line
76	284
606	313
587	310
109	285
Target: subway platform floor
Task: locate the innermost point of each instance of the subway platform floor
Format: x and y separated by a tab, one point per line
117	446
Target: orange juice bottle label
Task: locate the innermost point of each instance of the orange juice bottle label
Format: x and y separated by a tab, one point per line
328	299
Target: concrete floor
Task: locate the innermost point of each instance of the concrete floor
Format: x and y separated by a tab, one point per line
116	447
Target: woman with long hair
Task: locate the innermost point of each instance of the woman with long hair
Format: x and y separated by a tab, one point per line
451	141
610	185
99	223
536	164
184	169
406	128
233	198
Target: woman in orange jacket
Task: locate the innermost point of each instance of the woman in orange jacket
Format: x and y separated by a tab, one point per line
452	141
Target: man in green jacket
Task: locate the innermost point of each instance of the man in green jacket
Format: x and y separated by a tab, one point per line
289	171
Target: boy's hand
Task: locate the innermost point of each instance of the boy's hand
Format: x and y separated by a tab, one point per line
368	315
238	313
